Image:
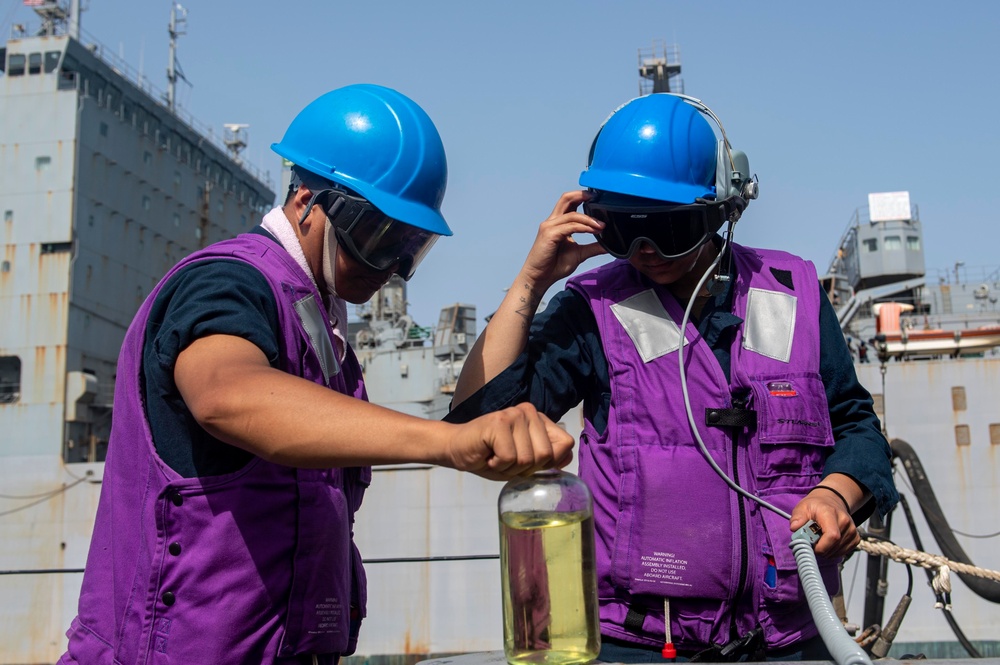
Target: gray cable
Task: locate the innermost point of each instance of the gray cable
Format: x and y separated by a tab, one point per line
842	647
687	400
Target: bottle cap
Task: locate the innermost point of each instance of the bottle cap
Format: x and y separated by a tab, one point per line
669	651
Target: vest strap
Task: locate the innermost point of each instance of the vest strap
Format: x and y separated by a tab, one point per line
634	620
738	418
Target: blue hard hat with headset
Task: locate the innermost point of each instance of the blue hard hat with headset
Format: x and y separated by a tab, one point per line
376	165
660	175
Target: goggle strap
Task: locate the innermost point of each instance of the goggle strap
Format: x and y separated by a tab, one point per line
309	207
336	206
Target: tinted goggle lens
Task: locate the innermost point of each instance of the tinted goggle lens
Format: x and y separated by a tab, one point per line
376	240
673	232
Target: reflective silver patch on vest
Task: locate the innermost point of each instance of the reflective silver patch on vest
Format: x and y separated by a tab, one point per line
312	320
645	320
770	324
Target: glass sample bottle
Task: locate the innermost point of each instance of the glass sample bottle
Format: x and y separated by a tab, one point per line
547	570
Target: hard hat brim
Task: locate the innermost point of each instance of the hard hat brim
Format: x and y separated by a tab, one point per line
413	214
644	186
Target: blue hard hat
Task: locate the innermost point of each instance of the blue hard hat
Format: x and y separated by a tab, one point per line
378	143
655	147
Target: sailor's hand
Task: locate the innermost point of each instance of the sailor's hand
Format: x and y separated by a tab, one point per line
555	254
840	536
516	441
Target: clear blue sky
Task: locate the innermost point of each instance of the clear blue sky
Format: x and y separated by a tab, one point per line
830	101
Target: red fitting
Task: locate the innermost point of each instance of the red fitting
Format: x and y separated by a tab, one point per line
669	651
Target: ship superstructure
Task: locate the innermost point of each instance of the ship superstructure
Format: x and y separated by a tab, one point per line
104	188
928	350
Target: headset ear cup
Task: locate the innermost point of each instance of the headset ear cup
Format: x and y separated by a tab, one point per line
722	183
742	183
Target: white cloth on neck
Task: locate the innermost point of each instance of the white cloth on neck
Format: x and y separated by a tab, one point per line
277	224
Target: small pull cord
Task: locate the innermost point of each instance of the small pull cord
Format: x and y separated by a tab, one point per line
669	651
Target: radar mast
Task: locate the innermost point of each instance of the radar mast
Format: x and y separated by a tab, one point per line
660	69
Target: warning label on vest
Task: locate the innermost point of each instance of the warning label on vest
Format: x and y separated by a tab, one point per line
663	568
329	614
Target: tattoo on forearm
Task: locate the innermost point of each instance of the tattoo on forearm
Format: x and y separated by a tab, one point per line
527	307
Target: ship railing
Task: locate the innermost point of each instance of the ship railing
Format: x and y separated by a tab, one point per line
867	296
121	66
960	274
848	239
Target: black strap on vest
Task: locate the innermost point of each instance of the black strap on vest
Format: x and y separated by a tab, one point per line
738	416
633	621
750	647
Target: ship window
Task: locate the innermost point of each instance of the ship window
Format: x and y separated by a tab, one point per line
15	64
8	215
958	399
10	379
43	162
104	129
913	243
35	63
177	219
146	203
55	247
67	77
893	243
52	61
871	244
5	267
147	157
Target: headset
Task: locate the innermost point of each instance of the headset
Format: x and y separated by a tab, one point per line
732	167
732	179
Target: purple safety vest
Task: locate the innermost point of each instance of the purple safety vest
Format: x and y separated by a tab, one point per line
667	525
255	566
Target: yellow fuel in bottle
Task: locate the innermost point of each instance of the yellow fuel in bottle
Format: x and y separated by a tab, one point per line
547	571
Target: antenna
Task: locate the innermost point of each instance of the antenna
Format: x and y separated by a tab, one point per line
178	20
54	16
235	139
660	69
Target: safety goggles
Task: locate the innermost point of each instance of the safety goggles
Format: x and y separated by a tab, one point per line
374	239
674	231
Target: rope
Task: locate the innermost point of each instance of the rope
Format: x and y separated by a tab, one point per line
942	567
